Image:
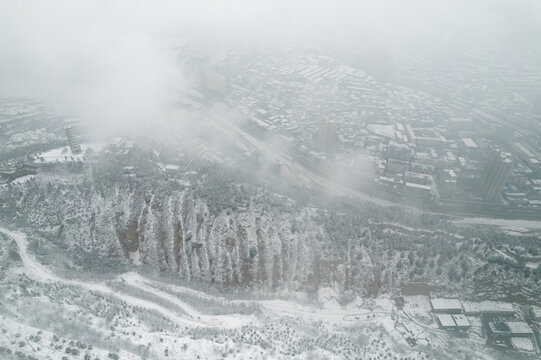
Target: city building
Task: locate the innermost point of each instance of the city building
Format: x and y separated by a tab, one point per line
495	176
452	322
72	141
214	81
411	134
428	137
488	307
498	330
417	178
398	151
519	328
461	321
446	306
326	136
171	169
396	166
445	321
418	190
507	329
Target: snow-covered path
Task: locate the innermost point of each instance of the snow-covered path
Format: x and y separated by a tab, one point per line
188	315
181	313
39	272
34	269
235	320
277	307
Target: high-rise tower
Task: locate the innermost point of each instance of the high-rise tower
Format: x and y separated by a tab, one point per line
326	136
72	140
495	176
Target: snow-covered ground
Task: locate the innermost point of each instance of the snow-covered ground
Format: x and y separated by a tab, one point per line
39	272
23	179
220	321
133	316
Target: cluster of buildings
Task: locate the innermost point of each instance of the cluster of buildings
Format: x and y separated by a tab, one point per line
466	165
449	314
500	323
456	165
26	169
434	145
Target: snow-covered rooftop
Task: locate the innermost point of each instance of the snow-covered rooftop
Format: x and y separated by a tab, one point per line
63	154
519	327
461	320
522	343
487	306
446	320
469	142
445	304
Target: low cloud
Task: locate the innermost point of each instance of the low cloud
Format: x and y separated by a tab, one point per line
116	62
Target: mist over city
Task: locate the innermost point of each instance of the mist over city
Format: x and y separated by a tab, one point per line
270	179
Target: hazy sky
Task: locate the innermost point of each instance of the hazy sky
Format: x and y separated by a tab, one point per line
116	60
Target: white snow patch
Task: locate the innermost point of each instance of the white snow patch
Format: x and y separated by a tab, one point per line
23	179
327	298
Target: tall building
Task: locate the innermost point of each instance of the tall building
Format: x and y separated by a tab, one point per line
326	136
214	81
72	141
495	176
398	151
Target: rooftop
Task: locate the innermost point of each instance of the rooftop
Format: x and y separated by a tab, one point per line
446	320
519	327
488	306
461	320
469	143
445	304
